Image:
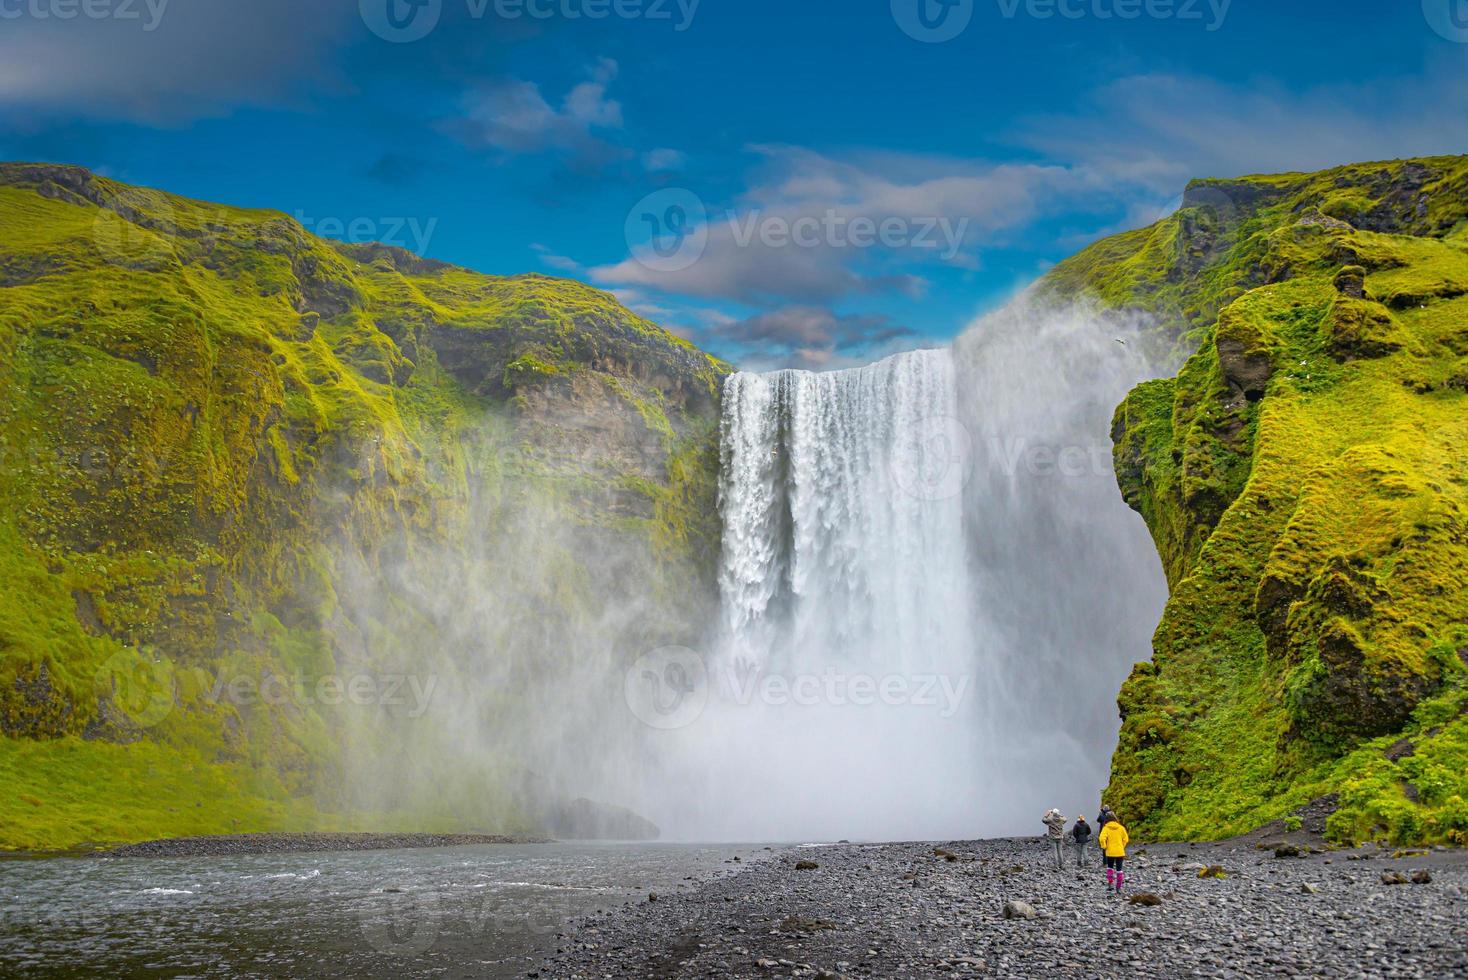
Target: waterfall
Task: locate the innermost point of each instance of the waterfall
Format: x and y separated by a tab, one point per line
842	511
931	592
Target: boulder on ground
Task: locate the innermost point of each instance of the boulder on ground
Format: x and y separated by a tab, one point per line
1019	910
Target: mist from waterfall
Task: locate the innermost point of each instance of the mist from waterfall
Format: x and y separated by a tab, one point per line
931	593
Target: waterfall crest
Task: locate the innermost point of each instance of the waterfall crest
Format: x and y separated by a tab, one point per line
842	510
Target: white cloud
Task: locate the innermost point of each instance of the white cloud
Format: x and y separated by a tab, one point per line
513	115
663	160
555	260
1158	131
945	208
1117	162
169	62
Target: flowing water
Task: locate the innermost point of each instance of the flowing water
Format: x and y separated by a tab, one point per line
475	911
931	592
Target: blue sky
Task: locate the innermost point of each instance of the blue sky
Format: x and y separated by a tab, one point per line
757	139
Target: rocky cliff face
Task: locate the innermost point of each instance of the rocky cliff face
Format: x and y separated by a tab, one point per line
237	455
1306	480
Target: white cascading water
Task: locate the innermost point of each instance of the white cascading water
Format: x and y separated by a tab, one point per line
844	582
931	592
843	521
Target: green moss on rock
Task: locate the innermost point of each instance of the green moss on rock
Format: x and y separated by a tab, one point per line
1304	480
215	426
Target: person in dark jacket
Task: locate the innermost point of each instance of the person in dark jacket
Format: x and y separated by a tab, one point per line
1080	836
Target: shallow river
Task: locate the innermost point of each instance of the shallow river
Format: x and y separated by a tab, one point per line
451	912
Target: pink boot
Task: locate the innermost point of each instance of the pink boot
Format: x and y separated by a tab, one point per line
1110	878
1120	880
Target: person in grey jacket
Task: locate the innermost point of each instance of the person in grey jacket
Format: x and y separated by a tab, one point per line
1054	821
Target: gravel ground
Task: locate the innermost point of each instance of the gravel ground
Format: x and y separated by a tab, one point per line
304	843
920	910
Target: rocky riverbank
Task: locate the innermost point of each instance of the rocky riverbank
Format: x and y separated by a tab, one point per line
236	844
999	908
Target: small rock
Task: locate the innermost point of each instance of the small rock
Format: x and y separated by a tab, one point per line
1019	910
1310	889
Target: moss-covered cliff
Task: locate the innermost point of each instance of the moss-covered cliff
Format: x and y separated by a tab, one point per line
234	452
1305	476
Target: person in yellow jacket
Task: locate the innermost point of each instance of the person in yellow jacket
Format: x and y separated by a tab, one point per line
1113	841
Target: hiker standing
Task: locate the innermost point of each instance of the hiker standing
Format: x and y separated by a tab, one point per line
1102	819
1054	820
1080	835
1114	840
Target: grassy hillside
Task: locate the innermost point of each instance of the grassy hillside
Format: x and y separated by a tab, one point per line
1306	480
232	450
